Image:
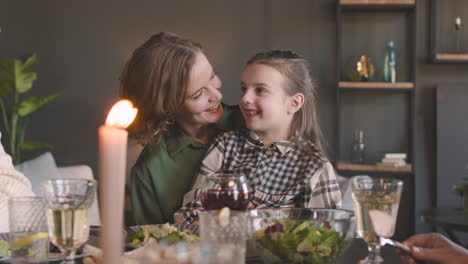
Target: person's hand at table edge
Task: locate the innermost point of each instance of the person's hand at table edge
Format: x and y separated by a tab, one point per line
435	248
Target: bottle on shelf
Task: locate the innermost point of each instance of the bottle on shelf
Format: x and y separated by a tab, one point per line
458	23
390	63
358	147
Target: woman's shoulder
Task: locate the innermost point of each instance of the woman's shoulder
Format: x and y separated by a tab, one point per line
151	153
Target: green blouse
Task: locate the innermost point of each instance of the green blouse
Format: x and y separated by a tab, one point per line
164	173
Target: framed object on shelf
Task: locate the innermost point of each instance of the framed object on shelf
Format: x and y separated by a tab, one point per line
449	31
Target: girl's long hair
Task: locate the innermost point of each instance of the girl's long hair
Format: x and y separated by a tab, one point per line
298	79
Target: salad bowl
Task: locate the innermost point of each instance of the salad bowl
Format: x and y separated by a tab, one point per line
300	235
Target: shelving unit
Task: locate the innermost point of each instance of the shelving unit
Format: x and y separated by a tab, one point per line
366	96
406	86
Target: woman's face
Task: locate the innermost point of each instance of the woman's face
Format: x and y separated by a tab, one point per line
202	103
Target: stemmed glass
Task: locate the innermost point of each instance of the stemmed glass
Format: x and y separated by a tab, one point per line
225	190
68	202
376	209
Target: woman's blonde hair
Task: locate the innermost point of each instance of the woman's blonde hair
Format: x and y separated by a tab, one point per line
297	74
155	79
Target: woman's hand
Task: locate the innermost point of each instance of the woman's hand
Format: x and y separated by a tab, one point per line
435	248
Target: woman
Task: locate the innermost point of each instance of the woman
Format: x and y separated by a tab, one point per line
178	96
12	184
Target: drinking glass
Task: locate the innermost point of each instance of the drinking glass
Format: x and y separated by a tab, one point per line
376	209
225	190
224	236
68	202
29	241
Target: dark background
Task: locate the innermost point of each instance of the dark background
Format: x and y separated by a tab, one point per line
82	46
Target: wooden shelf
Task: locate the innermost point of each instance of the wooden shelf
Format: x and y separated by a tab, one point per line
377	2
376	85
372	167
451	58
377	5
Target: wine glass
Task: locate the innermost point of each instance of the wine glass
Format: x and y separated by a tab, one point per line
225	190
376	209
68	202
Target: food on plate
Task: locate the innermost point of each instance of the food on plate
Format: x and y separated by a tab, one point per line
296	241
166	233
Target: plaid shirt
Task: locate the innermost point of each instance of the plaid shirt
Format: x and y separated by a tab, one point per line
286	174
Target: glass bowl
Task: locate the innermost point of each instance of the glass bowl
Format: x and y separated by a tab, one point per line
300	235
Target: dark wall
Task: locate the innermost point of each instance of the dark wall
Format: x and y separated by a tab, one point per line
82	46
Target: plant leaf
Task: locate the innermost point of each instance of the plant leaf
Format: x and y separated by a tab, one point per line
15	71
29	61
32	145
32	103
23	79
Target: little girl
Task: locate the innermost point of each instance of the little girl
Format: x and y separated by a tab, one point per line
280	153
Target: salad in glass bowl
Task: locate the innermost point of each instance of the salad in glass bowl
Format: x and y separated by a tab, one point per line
166	233
296	235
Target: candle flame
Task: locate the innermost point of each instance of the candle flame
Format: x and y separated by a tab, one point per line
121	114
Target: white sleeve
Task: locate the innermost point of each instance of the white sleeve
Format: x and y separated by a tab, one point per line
12	184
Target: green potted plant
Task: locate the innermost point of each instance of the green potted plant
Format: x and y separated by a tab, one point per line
16	79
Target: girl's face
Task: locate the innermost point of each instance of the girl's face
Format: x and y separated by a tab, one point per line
267	108
202	103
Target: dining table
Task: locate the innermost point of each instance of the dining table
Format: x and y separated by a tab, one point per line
352	255
355	252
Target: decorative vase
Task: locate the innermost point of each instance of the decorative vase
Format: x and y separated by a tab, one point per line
390	63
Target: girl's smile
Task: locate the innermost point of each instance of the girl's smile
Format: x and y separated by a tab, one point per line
250	113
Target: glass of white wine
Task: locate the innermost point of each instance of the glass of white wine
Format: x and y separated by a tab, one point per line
68	202
376	210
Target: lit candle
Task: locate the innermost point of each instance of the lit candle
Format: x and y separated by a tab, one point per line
112	161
